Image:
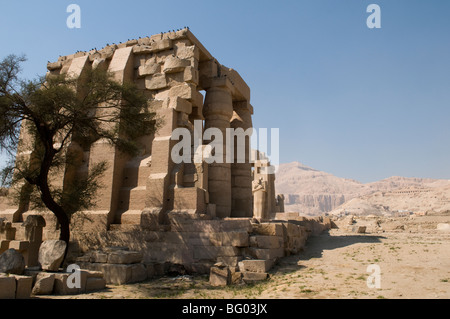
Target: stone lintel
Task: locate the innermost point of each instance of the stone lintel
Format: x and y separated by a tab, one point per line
243	105
242	90
223	82
238	88
204	54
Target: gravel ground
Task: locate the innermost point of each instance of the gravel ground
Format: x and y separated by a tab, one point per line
413	260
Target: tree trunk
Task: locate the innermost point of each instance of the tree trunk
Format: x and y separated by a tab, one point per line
64	225
47	198
59	212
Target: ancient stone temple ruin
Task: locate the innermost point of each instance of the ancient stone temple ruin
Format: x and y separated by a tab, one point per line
189	215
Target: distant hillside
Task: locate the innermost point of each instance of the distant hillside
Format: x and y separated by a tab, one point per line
413	199
313	192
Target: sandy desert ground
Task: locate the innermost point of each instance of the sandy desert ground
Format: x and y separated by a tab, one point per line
413	256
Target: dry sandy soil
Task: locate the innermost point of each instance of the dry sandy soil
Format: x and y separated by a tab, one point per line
414	259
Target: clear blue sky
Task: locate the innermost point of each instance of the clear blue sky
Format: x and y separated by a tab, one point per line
356	102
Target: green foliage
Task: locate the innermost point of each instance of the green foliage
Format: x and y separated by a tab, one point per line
58	114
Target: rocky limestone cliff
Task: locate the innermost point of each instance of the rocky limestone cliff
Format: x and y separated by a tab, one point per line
313	192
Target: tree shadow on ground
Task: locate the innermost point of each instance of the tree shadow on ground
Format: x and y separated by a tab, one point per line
193	287
316	245
198	286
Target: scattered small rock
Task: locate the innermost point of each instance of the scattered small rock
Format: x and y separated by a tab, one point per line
443	227
361	229
44	284
219	276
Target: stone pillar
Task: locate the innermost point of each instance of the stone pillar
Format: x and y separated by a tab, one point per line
7	232
33	233
241	173
280	203
218	110
264	170
271	198
158	198
74	159
121	67
24	155
259	189
77	70
75	153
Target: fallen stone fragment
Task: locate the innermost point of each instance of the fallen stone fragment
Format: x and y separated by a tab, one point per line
51	254
12	262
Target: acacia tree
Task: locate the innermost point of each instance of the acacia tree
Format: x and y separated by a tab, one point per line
58	112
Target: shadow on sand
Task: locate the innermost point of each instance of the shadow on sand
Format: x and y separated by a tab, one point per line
316	245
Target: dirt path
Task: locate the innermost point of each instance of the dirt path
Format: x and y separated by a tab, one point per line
335	266
414	263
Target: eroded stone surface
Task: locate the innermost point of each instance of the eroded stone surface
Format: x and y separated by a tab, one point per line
12	262
51	254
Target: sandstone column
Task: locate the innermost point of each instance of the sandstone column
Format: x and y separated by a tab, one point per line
75	153
33	233
158	182
121	67
218	110
259	189
264	170
241	176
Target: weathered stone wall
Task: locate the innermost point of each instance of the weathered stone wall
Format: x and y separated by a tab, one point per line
185	215
198	244
23	263
172	69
